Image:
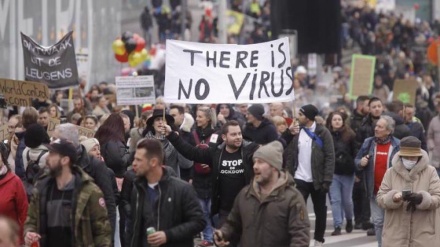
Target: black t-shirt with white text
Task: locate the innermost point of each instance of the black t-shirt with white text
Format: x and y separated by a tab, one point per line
232	178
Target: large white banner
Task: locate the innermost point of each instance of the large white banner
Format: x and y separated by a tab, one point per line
135	90
218	73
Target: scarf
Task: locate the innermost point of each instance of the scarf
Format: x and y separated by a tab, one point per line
383	140
150	135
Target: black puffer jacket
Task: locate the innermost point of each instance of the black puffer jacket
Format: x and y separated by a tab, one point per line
101	176
263	134
212	156
116	156
179	213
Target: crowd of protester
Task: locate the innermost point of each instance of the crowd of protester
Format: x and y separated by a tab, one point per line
324	142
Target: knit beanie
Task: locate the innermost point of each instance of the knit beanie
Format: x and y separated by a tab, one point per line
257	110
310	111
272	153
90	143
35	135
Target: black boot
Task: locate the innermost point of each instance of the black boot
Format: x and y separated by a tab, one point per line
349	226
336	232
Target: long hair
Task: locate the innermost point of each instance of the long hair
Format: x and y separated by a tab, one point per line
210	114
346	132
111	130
4	152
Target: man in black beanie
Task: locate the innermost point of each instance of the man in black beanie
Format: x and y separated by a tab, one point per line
258	129
310	158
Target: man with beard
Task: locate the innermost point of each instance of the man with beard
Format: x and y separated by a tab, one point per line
281	206
231	164
360	112
67	208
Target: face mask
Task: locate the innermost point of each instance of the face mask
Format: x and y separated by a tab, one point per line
409	164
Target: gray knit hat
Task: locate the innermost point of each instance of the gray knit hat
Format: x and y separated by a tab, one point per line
272	153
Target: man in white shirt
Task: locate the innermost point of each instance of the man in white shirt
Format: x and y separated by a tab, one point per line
310	157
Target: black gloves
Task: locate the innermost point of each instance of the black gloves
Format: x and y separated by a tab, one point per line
325	187
413	199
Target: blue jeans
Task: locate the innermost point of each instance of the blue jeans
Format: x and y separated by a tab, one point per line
378	215
341	191
206	207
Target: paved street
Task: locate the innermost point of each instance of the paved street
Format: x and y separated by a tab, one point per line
357	238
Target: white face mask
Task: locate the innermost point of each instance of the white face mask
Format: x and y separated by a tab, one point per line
409	164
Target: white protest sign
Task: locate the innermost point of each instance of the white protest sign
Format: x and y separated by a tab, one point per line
219	73
135	90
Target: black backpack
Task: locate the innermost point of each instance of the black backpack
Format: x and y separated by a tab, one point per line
33	170
33	167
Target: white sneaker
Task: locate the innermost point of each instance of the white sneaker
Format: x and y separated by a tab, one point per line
317	243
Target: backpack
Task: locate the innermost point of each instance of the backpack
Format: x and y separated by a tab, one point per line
32	172
33	167
198	167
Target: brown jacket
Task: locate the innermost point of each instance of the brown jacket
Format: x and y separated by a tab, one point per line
279	220
401	227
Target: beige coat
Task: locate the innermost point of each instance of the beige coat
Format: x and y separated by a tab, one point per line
401	227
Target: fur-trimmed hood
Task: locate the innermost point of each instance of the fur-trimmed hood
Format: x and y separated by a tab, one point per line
188	122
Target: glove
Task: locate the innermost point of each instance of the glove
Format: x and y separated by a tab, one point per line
325	187
415	198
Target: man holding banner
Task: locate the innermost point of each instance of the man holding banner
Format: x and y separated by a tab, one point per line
231	163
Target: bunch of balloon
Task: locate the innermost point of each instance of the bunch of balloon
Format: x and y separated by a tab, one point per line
151	53
130	48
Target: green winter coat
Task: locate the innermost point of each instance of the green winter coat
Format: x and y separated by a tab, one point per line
91	226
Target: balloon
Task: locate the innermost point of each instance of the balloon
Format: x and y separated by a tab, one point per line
146	64
118	47
136	36
130	45
144	54
122	58
134	59
126	36
153	50
416	6
140	44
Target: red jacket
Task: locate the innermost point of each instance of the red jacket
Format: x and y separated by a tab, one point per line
13	200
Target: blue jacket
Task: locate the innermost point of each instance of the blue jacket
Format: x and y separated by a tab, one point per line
369	147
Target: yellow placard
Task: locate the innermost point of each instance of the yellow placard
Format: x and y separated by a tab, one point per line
362	75
405	91
86	132
4	134
21	93
53	123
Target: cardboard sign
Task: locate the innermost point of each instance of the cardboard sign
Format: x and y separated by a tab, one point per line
20	93
362	75
53	123
405	91
4	134
54	65
86	132
227	73
135	90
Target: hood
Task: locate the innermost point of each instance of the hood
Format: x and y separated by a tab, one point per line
284	181
8	176
231	110
188	122
418	168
